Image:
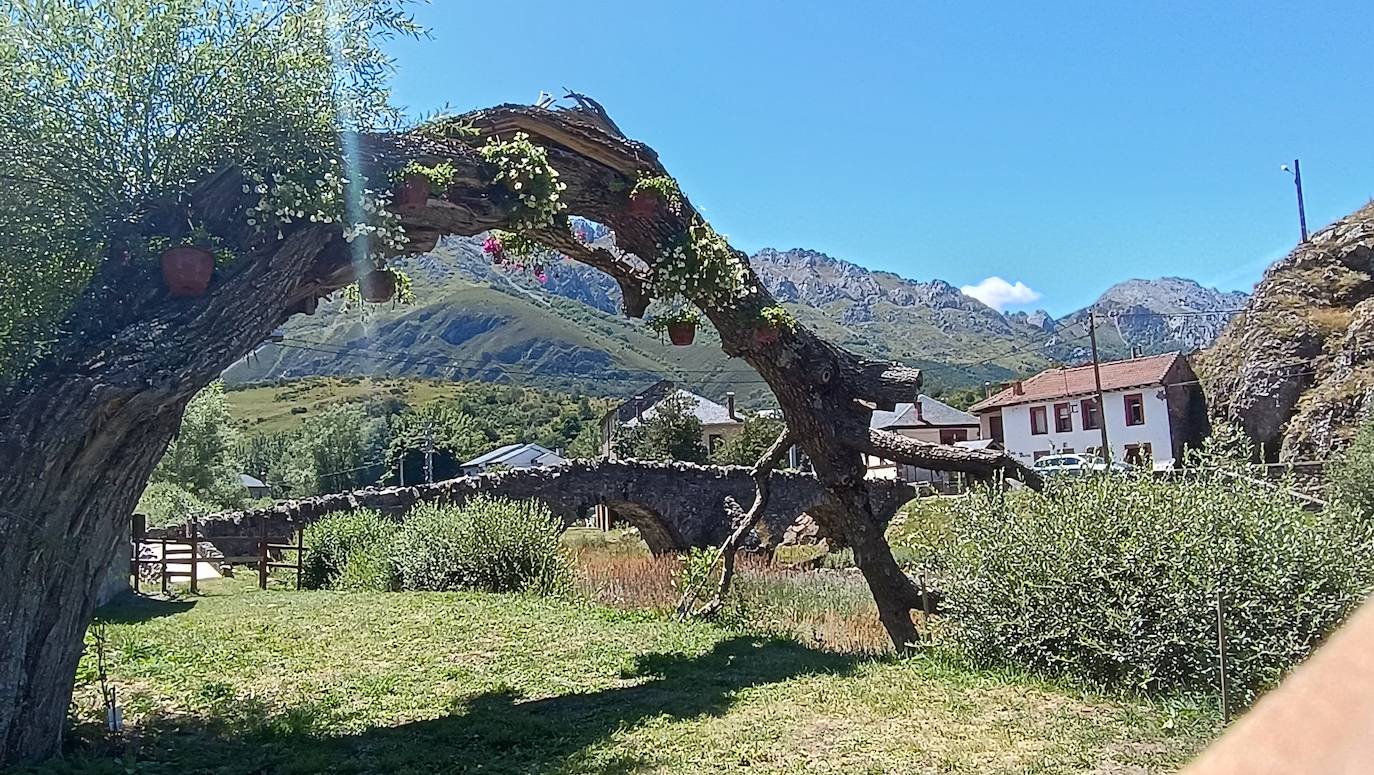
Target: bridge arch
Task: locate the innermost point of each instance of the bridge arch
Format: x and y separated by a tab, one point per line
676	506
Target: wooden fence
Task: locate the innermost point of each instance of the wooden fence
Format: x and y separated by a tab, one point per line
268	552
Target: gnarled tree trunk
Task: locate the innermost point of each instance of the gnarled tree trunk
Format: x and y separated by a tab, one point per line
80	435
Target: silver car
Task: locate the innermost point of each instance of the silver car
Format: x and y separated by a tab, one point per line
1076	464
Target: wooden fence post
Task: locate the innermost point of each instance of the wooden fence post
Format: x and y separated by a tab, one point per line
164	565
300	555
262	553
138	533
195	590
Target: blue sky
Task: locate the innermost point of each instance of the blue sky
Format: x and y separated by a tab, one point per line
1065	146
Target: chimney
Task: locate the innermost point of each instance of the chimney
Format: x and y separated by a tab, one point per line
917	407
987	389
730	404
639	408
1017	388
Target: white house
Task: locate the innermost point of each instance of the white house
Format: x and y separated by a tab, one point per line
718	422
924	419
1153	407
514	456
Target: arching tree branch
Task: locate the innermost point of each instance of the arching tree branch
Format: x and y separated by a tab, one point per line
745	523
981	463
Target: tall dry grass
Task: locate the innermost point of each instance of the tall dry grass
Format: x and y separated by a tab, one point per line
825	609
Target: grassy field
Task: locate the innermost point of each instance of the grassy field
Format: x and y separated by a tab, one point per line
272	408
242	681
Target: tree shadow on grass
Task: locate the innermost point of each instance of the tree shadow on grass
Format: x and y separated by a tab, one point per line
495	732
130	608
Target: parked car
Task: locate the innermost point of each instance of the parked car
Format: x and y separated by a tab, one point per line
1076	464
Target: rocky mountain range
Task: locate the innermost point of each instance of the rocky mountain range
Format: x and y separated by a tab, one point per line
476	320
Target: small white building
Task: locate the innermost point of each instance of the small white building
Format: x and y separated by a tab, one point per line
925	419
1153	408
514	456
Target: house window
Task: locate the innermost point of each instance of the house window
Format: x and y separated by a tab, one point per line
995	428
714	441
1139	454
1039	424
950	435
1135	409
1091	419
1063	418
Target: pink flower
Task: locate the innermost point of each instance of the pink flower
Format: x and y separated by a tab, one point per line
541	277
493	247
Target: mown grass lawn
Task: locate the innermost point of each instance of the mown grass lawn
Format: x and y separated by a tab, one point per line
242	681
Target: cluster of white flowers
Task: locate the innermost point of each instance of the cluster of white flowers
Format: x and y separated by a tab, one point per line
297	195
701	267
524	169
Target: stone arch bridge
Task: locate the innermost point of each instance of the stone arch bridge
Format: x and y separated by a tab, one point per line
674	505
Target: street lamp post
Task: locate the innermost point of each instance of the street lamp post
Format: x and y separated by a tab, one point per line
1296	172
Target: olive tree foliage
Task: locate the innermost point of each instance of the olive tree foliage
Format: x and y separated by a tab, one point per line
746	447
202	461
112	110
451	431
1352	477
668	432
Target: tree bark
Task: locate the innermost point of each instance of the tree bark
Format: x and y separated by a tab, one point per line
81	434
762	474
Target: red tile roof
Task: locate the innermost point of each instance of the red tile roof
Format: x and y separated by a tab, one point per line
1077	381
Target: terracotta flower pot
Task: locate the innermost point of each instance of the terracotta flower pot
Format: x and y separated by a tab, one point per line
767	335
682	334
412	191
378	286
643	204
186	270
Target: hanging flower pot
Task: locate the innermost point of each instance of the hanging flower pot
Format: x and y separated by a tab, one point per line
378	286
682	333
413	191
643	204
186	270
767	335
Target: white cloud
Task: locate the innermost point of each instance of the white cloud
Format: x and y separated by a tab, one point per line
1000	294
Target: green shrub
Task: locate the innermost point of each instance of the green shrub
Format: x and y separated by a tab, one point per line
166	504
487	543
1352	477
1116	580
349	550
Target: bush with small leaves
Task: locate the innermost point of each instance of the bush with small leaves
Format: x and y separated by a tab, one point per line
488	544
1117	580
349	550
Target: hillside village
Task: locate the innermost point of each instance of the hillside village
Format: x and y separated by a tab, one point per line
341	437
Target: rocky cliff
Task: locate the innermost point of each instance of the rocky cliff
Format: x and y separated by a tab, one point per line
1296	368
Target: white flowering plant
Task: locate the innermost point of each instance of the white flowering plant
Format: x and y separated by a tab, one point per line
661	187
679	315
775	316
702	267
523	168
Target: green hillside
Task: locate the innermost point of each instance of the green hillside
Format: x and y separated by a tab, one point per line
475	321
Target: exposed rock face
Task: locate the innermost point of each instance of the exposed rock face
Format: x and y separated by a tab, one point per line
815	279
1193	316
1296	369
